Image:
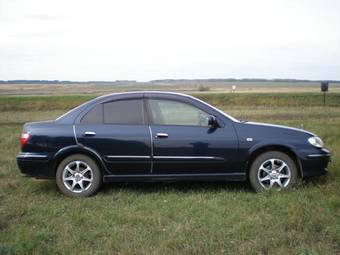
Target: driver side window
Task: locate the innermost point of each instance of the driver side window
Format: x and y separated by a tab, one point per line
168	112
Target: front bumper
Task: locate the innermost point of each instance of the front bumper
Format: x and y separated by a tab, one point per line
36	165
315	163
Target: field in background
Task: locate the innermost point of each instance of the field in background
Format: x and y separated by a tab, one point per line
173	218
189	86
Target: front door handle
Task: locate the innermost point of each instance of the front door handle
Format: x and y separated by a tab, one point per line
161	135
90	133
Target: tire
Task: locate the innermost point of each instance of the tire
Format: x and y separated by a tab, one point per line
78	176
273	170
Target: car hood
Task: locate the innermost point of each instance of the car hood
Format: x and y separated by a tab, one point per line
284	128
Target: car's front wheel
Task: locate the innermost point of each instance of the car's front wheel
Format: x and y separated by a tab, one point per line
273	170
78	176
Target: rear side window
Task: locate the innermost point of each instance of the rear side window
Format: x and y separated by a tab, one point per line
94	116
129	112
124	112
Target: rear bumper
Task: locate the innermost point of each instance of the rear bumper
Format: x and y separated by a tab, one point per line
36	165
315	163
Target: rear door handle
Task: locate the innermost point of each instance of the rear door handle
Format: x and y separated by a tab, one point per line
90	133
161	135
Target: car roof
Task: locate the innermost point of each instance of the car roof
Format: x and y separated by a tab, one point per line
70	116
141	93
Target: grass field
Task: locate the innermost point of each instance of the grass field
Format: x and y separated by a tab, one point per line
173	218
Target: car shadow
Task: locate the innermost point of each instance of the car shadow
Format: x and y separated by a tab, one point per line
50	187
316	180
181	186
44	187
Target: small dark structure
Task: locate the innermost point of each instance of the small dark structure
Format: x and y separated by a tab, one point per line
324	86
324	89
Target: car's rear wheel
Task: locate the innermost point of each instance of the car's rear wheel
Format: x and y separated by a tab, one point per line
273	170
78	176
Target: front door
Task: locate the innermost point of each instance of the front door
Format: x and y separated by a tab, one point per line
183	143
117	131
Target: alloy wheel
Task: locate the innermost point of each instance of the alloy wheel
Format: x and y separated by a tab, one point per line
77	176
274	173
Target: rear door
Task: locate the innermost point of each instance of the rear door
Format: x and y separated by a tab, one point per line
116	130
183	143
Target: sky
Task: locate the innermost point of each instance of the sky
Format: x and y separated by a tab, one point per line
169	39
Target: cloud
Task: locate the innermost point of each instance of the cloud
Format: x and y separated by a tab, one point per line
41	34
43	17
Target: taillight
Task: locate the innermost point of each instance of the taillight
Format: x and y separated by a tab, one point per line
24	138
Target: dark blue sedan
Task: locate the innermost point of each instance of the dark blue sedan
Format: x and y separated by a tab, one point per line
160	136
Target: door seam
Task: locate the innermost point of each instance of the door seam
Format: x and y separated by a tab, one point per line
151	142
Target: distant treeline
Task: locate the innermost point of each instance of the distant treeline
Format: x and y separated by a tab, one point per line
62	82
237	80
158	81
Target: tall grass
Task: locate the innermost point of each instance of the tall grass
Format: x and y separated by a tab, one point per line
34	103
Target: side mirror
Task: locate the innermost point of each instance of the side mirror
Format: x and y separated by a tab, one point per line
212	122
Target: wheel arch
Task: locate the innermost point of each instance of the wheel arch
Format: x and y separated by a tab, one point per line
255	152
76	149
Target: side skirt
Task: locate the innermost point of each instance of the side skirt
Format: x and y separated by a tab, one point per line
175	177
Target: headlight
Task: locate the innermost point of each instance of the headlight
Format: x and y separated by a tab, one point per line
315	141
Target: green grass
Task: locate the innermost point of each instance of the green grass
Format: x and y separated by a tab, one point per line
172	218
43	103
271	99
38	103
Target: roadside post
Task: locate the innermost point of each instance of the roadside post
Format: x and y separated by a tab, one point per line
324	89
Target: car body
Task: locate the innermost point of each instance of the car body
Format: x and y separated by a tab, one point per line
155	136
